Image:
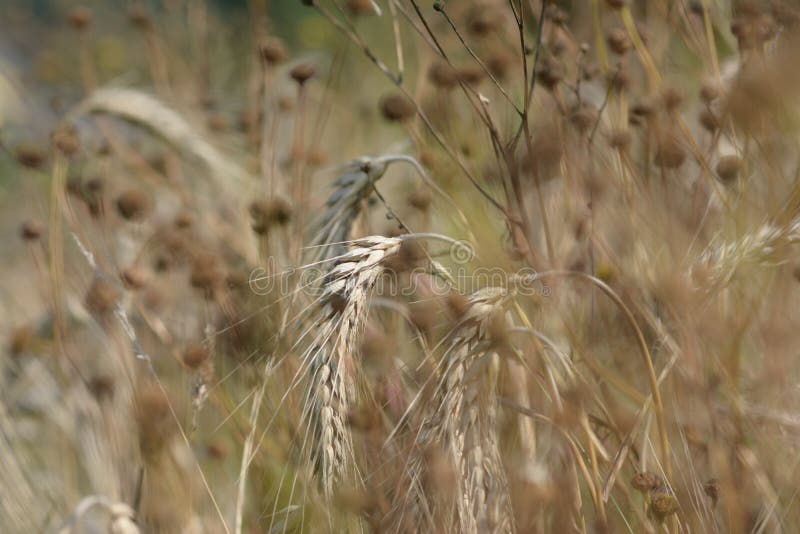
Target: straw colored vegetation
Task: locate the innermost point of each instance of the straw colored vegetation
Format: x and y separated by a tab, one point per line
400	266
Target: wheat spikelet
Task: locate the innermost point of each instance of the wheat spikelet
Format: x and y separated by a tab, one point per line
465	414
332	358
720	262
343	205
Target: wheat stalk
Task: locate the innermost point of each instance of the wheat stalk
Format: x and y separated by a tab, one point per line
464	417
332	357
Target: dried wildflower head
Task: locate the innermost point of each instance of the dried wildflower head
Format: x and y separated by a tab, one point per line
499	63
583	118
195	355
671	99
139	17
662	503
420	199
65	139
269	213
30	156
709	120
710	91
80	17
711	488
645	481
134	277
728	168
670	154
396	107
20	340
207	275
153	418
483	19
550	72
133	204
620	139
101	387
618	41
102	296
302	73
361	7
616	4
273	51
31	230
442	75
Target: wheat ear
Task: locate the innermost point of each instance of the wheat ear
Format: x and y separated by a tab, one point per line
465	415
333	356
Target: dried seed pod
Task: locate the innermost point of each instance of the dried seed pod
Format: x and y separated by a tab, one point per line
711	488
616	4
133	204
728	168
550	72
134	277
396	107
20	340
709	120
360	7
470	74
499	64
670	154
302	73
645	481
420	199
618	41
102	296
620	139
65	139
195	355
710	91
269	213
139	17
273	51
80	17
483	19
31	230
30	156
662	503
671	99
442	75
583	118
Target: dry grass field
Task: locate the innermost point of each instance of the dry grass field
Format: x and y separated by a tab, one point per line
399	266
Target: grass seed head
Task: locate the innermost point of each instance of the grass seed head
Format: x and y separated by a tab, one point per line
102	296
728	168
80	18
31	230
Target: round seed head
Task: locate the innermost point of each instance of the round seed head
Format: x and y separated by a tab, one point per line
550	72
269	213
195	355
670	154
620	139
442	75
30	156
728	167
709	92
583	118
206	274
711	488
499	64
360	7
662	504
273	51
470	74
139	17
20	340
396	107
645	481
302	73
102	296
101	387
134	277
65	139
483	19
671	99
133	204
420	199
80	17
709	120
618	41
616	4
31	230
